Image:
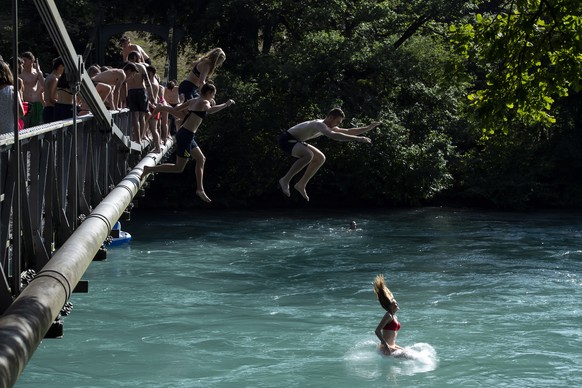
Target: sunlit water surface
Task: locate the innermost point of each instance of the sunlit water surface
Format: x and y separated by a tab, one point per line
284	299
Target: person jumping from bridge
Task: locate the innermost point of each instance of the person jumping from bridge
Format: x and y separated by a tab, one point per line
187	148
292	141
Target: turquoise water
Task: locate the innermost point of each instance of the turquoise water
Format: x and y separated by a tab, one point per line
284	298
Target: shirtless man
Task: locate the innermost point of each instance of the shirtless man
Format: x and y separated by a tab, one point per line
33	81
139	92
50	90
112	77
293	140
154	120
127	47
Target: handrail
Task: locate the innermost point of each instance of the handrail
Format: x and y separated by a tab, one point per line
25	322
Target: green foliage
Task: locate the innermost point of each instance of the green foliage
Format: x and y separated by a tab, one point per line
530	55
497	120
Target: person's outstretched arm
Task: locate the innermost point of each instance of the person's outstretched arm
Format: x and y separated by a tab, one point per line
358	130
218	108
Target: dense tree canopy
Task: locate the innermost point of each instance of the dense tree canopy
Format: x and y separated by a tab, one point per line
479	100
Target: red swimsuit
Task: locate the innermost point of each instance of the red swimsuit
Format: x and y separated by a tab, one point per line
393	325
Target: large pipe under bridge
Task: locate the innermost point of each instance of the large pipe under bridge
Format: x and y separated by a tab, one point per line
62	187
30	312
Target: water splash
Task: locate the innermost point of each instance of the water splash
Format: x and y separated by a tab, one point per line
365	361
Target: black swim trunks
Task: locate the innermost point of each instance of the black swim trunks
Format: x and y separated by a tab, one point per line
188	89
287	142
137	100
185	143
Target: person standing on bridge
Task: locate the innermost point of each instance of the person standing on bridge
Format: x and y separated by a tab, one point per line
139	93
33	80
127	47
50	90
7	96
202	71
187	148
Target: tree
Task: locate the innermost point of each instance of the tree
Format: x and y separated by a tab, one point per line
529	54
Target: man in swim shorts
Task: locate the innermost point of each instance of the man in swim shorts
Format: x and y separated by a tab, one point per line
293	142
139	95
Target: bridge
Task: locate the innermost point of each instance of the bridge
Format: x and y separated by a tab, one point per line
63	186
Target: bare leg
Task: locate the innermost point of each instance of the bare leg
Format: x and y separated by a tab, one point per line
200	159
304	156
164	127
136	126
168	167
153	123
142	125
308	156
314	165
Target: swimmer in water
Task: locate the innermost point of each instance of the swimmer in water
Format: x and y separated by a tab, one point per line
389	325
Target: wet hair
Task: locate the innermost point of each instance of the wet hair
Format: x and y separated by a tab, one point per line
58	61
384	295
336	112
6	77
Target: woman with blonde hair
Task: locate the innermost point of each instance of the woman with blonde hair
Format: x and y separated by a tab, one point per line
202	70
389	325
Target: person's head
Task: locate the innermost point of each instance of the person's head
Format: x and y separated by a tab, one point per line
28	59
171	84
216	58
134	56
20	63
334	117
124	41
353	225
384	295
6	77
151	70
58	64
63	82
130	67
208	91
93	70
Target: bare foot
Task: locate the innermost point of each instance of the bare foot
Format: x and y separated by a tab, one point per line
301	191
284	188
203	196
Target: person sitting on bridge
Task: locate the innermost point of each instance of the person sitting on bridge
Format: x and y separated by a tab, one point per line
187	148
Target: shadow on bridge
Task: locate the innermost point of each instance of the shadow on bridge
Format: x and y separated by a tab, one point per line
62	188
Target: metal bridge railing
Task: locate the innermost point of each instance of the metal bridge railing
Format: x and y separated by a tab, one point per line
76	182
